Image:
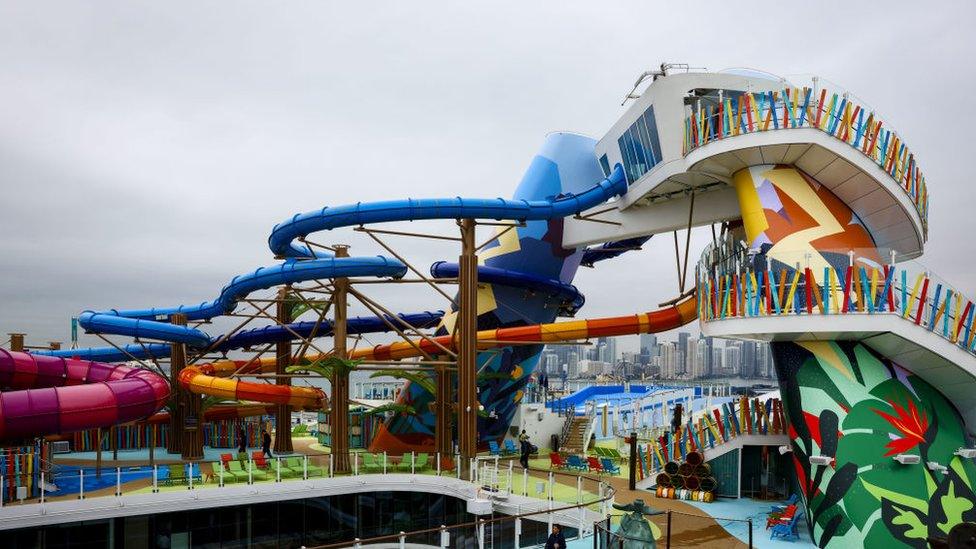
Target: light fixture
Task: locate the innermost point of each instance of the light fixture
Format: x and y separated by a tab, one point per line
935	466
821	460
968	453
908	459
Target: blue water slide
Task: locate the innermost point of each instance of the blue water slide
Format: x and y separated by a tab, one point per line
611	250
150	323
250	338
571	299
284	234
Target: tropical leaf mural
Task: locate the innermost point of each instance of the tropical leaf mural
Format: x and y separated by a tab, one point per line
846	401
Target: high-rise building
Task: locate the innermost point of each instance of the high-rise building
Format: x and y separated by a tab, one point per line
709	357
683	349
733	358
748	368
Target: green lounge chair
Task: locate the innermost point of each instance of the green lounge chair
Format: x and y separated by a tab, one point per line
177	474
370	464
286	471
295	464
423	462
256	473
404	465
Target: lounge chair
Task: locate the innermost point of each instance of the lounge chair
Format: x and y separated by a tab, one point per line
258	458
786	529
510	447
609	466
371	464
217	471
423	462
594	464
556	461
575	462
295	464
177	474
493	448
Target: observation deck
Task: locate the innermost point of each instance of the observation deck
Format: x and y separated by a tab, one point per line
708	126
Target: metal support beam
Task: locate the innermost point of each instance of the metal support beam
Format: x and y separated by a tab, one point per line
177	361
467	334
17	342
339	416
283	442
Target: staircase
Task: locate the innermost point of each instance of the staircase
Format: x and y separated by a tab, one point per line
574	441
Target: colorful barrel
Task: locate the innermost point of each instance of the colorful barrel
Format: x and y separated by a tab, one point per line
694	458
660	491
703	470
686	469
708	484
678	481
709	497
692	483
663	479
671	468
670	493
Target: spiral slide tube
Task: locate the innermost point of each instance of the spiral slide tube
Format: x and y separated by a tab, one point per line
206	379
57	395
248	338
571	300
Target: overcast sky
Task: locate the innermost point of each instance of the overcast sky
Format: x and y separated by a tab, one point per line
147	148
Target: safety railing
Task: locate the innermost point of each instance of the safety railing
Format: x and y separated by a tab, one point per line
720	425
529	523
735	282
834	114
675	529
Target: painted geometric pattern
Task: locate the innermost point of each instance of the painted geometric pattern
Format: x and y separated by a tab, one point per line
800	218
847	402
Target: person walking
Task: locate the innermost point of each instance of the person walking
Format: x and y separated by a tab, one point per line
266	443
556	539
241	442
525	448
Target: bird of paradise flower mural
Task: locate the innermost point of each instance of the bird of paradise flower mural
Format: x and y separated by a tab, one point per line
847	402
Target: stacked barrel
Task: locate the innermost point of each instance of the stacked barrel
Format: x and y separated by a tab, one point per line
691	480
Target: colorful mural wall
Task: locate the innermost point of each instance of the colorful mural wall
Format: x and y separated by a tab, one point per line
845	401
841	398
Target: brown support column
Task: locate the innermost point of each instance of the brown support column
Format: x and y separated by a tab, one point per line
177	360
442	413
54	345
467	318
282	443
17	342
339	414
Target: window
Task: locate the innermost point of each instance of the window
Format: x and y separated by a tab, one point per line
640	147
605	164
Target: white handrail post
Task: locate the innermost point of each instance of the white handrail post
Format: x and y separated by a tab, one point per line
1	491
250	475
445	537
42	487
220	468
481	534
155	487
550	488
278	469
579	489
118	481
403	540
355	464
190	485
457	465
518	527
579	529
384	462
549	516
438	464
81	483
413	463
305	466
525	482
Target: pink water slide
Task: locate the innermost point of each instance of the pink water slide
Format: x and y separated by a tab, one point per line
44	395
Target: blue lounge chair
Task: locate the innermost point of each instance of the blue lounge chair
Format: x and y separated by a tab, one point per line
609	466
510	446
493	448
577	463
787	530
779	507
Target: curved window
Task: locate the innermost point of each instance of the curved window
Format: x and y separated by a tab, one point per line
640	146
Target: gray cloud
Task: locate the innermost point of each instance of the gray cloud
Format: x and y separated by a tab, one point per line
147	148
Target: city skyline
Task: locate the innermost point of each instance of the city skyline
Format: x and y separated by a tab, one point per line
685	357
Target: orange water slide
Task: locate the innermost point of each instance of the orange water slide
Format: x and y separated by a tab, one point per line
211	379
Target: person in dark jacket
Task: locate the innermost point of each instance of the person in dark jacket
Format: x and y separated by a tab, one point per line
241	440
266	444
526	449
556	539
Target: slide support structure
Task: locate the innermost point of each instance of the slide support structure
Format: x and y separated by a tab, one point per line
467	329
283	442
174	444
339	415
